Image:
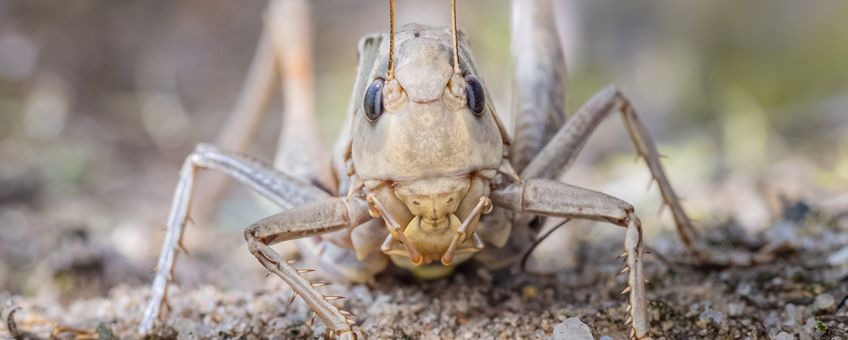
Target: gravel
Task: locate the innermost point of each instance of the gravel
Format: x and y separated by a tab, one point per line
798	296
572	329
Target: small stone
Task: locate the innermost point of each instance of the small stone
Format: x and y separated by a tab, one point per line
572	329
824	302
784	336
743	289
711	315
794	315
809	326
838	258
735	309
771	320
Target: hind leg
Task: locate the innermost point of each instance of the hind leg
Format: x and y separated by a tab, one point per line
561	151
299	149
284	56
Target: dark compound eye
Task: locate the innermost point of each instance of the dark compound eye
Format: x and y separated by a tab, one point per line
373	103
475	95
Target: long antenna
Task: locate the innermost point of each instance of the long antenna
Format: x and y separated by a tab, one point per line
391	71
455	38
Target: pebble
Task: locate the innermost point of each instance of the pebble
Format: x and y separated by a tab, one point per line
809	326
743	289
735	309
711	314
794	315
839	257
784	336
572	329
824	302
771	320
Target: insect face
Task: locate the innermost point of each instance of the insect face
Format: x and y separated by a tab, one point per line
426	142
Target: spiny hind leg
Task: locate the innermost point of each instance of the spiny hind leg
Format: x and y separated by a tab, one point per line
556	199
329	215
561	151
280	188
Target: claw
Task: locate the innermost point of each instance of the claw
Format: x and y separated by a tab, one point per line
304	271
626	290
623	270
629	320
320	284
333	297
291	299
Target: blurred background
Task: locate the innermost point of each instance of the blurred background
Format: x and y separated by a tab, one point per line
100	101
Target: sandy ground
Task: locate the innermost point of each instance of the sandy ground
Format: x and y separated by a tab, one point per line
803	294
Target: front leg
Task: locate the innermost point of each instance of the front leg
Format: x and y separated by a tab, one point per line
561	151
556	199
311	220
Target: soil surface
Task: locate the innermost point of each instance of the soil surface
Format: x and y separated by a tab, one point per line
802	294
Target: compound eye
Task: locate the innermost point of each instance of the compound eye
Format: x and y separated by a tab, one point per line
475	95
373	103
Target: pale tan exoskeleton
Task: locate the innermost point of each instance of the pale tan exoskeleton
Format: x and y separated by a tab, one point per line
426	176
